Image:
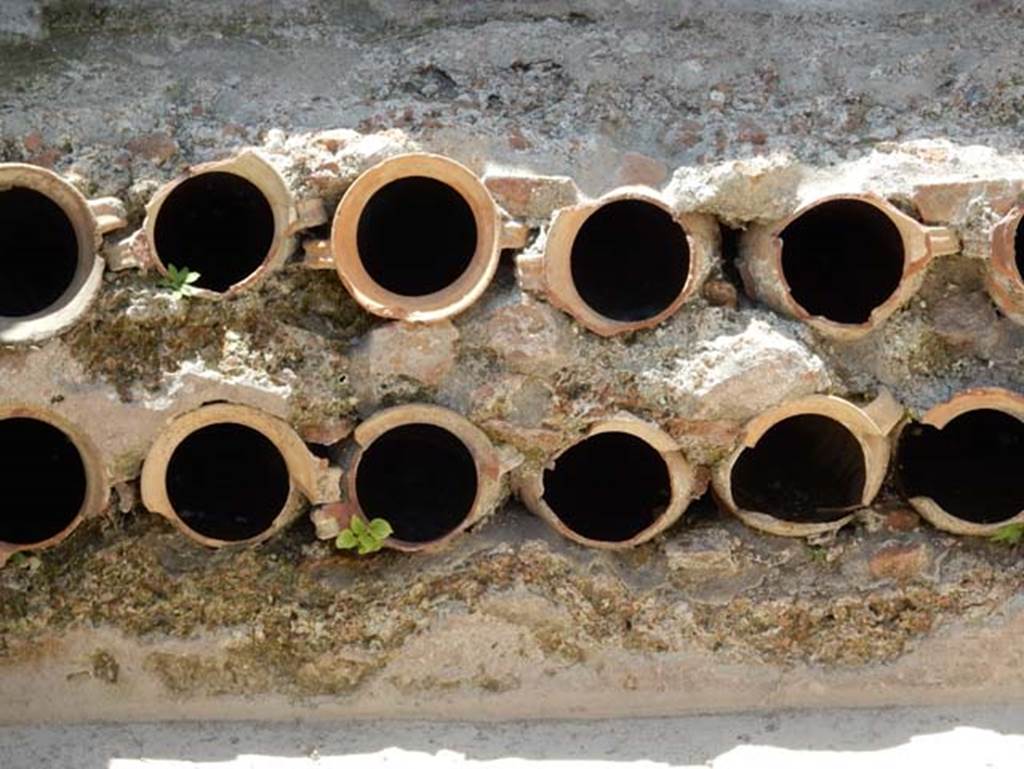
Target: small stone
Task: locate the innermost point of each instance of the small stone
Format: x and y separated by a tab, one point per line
721	293
424	352
530	336
158	147
900	562
640	169
517	141
532	197
902	519
966	321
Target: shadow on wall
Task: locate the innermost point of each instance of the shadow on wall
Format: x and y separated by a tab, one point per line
987	736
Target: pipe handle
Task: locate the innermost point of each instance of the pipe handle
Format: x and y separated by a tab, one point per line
109	214
942	241
317	255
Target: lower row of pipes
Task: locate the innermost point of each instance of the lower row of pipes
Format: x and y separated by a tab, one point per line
230	474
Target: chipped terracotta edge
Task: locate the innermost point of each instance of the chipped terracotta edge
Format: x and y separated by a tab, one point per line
871	435
553	276
760	265
687	481
308	475
97	488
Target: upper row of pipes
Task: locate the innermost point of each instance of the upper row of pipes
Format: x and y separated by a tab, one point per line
418	237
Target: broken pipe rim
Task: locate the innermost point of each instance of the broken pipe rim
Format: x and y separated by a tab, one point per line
702	237
964	402
764	279
492	234
685	480
97	482
485	460
1003	279
869	426
90	220
288	219
308	475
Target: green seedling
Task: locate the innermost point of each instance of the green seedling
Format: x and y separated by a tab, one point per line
364	538
1011	534
179	281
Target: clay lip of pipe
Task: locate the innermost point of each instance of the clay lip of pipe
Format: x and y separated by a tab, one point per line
97	483
494	232
91	220
687	483
551	272
1003	279
308	475
870	426
760	264
994	398
290	217
329	520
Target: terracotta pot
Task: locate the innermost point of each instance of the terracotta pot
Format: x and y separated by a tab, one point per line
982	399
552	273
494	232
684	483
429	441
761	261
96	489
303	475
89	221
1003	280
868	427
245	174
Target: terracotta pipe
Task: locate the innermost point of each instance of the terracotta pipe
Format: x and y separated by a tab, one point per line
417	237
1004	280
51	469
841	294
622	484
233	221
426	470
51	235
959	464
827	438
623	262
228	474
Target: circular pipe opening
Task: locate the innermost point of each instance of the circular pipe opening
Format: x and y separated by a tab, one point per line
970	468
807	468
421	478
609	487
416	236
842	259
40	252
43	477
227	481
630	260
217	224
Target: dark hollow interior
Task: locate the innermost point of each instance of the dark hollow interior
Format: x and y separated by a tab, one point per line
806	469
420	478
842	259
609	487
43	480
1018	247
971	468
630	260
38	252
227	481
217	224
416	236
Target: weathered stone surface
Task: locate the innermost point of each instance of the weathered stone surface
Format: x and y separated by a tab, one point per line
424	352
900	562
532	197
737	376
530	336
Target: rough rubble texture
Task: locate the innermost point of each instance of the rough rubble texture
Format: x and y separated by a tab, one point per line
740	109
